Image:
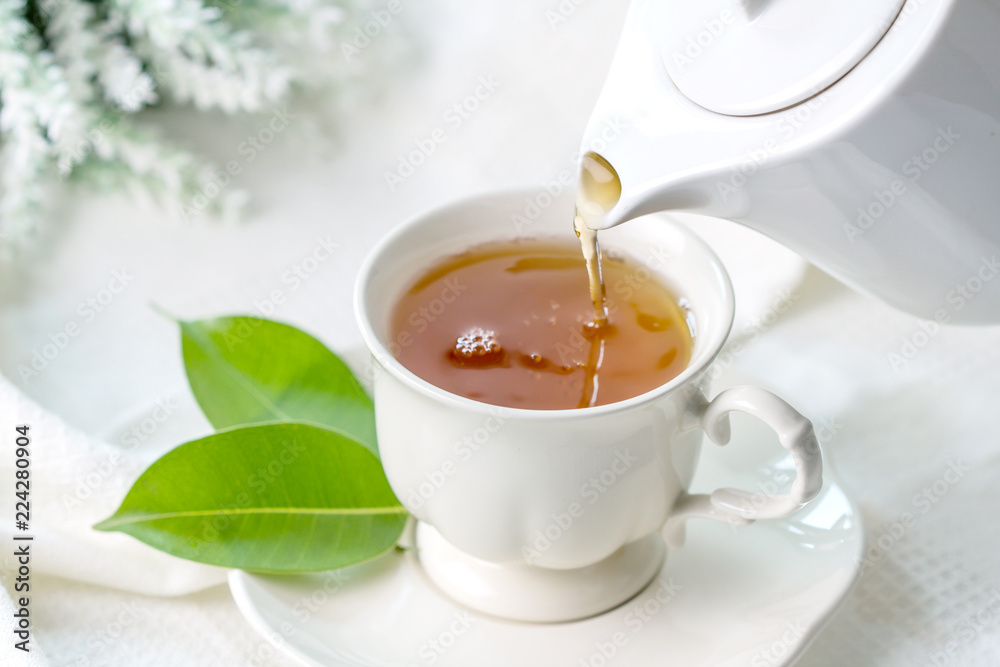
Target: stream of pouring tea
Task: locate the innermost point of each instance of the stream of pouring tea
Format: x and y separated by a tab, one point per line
598	191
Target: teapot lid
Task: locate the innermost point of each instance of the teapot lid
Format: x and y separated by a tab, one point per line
749	57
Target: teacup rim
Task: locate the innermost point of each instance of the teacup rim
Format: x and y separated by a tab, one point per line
384	357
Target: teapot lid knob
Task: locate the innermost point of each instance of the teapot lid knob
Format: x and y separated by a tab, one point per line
750	57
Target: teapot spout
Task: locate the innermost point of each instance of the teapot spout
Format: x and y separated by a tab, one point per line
668	152
650	193
663	172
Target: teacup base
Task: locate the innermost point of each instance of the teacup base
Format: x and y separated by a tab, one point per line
522	592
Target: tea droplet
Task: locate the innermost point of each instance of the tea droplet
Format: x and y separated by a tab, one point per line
537	363
667	359
652	322
599	184
595	329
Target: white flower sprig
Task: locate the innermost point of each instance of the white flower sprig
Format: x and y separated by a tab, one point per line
72	72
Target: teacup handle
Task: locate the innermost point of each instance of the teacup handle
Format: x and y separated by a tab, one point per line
739	507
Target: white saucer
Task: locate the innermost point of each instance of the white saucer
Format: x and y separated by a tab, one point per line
750	596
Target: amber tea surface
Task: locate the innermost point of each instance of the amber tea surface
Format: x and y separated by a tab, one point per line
513	324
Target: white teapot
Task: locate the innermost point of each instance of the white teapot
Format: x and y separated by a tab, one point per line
864	134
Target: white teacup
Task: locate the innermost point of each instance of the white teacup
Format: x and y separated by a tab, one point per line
550	515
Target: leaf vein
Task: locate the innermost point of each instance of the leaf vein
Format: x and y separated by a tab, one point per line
321	511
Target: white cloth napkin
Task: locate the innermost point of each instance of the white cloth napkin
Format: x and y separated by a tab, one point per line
10	654
105	598
77	481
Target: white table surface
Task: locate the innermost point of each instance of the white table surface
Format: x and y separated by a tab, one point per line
932	596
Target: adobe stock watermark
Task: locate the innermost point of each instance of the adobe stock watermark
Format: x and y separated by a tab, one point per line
789	124
966	291
657	259
87	311
462	451
293	277
562	12
248	149
140	431
566	178
623	290
591	491
101	640
957	298
420	319
967	630
454	117
371	30
212	527
309	604
264	476
780	478
141	94
777	652
702	41
640	613
435	647
417	323
303	610
781	303
913	169
296	275
896	23
922	502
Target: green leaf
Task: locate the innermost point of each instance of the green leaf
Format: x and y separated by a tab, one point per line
276	498
247	370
